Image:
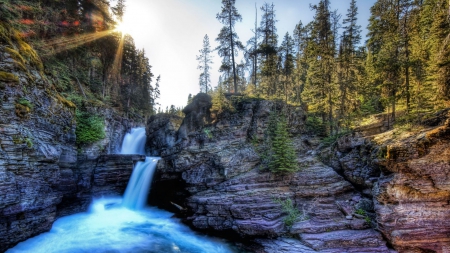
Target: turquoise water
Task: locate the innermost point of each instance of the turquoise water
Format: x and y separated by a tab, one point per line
110	228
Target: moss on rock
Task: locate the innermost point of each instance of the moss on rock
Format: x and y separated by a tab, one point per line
66	102
8	77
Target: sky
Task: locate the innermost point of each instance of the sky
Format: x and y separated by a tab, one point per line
171	33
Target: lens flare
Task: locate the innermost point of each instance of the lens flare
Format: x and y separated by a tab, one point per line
123	28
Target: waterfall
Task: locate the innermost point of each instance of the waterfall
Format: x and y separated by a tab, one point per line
127	228
138	187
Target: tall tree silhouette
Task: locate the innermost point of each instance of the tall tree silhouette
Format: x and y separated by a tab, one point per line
228	39
204	64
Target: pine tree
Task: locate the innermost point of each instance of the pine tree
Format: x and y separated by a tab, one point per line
284	159
119	9
228	39
384	46
268	50
287	58
348	61
439	42
301	41
204	64
320	89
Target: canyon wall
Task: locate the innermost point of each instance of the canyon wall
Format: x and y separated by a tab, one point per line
408	175
213	169
43	173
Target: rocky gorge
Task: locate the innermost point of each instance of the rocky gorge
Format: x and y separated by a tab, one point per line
43	173
366	193
371	191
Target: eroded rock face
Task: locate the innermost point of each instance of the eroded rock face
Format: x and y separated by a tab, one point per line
42	177
161	132
215	173
413	203
411	195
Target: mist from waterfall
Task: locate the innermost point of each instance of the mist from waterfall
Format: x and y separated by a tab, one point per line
125	224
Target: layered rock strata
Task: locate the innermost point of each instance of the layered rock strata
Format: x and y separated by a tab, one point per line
408	177
42	175
226	190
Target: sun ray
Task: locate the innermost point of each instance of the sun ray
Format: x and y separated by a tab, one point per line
116	67
59	45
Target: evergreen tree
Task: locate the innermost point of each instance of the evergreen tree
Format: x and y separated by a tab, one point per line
287	58
439	43
228	39
348	61
384	46
284	159
301	41
119	9
252	52
204	64
268	50
320	89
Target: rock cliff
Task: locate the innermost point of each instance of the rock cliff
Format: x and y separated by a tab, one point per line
407	175
42	174
214	170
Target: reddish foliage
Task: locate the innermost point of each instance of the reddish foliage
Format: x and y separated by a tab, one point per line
65	23
26	21
76	23
27	34
24	8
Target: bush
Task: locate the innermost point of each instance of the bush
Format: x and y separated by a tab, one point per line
332	139
90	128
25	102
293	213
314	125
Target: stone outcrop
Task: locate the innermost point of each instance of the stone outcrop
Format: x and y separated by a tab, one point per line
161	132
407	175
215	172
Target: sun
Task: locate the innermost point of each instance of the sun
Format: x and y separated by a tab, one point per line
123	28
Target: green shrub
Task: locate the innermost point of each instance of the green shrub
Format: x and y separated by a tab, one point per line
288	207
315	125
90	128
25	102
330	140
360	212
29	142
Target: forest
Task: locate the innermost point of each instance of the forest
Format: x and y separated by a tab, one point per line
324	66
327	67
86	60
320	140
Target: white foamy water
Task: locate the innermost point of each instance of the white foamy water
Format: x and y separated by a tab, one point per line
123	225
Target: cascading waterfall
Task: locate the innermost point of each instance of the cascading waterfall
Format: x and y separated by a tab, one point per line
129	227
138	188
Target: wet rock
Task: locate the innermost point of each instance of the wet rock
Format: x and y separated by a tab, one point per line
42	174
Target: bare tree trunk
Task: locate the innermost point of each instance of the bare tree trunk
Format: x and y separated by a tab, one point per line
232	55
